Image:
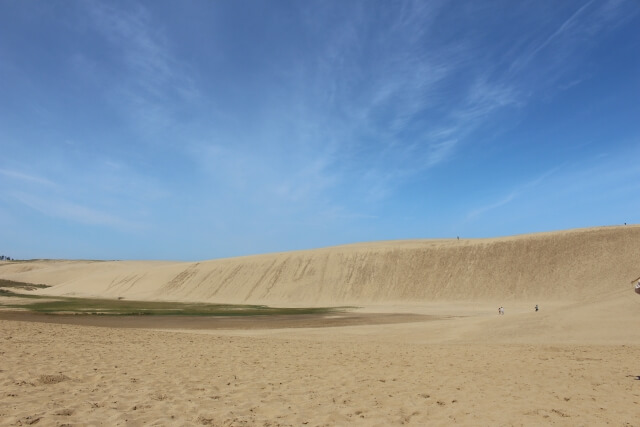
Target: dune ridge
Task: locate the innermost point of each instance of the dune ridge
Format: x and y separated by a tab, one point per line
564	265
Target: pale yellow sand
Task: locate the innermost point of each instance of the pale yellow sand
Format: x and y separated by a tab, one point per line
60	374
567	265
576	362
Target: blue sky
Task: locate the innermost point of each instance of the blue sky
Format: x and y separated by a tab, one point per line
207	129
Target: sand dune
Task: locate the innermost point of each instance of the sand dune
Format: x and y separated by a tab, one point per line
566	265
575	362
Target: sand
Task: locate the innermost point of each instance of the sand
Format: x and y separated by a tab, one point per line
445	358
68	374
566	265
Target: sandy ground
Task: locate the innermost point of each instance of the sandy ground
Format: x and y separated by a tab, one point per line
416	352
435	371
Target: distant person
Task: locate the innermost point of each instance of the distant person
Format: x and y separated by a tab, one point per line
536	307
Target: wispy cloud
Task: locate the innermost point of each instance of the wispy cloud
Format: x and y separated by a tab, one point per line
153	82
513	194
28	178
55	207
484	98
386	90
591	184
570	25
385	99
486	208
553	53
99	192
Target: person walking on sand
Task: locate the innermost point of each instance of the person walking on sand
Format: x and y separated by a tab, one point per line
536	307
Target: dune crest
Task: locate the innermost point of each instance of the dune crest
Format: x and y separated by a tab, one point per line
564	265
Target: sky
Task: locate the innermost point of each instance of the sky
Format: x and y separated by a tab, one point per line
209	129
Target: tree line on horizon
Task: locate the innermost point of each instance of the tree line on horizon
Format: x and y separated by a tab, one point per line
6	258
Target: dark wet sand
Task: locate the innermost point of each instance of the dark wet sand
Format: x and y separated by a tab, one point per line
217	322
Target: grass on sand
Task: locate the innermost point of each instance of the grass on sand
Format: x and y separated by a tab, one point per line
67	305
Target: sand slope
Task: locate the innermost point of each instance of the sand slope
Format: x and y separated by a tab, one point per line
565	265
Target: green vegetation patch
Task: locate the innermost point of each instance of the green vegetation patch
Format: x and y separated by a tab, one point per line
121	307
126	307
7	285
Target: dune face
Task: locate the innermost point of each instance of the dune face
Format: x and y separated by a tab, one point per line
565	265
